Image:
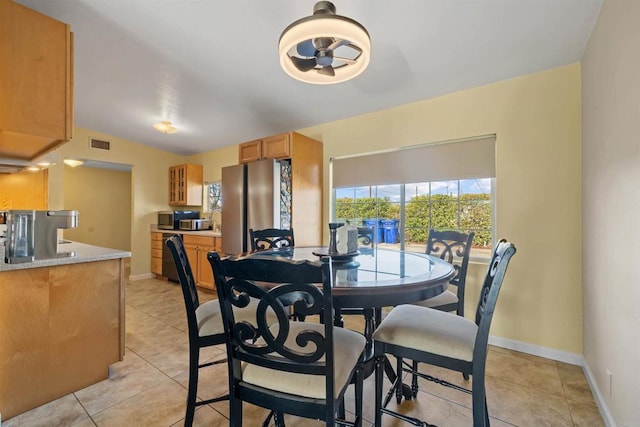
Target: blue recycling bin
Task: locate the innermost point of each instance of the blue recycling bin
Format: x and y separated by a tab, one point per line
390	230
378	233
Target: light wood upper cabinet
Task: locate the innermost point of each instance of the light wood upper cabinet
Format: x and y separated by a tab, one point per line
273	147
36	82
276	147
250	151
25	190
185	185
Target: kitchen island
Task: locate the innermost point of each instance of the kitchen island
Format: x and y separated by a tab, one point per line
61	324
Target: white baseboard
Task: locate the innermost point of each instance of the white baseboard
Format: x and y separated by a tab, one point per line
602	405
560	356
536	350
133	278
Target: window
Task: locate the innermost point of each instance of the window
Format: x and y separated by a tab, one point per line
213	197
402	193
213	203
402	214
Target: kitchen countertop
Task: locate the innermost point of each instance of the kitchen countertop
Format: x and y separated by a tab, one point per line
211	233
84	253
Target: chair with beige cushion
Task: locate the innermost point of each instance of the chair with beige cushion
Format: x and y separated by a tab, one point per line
453	247
276	238
204	323
442	339
298	368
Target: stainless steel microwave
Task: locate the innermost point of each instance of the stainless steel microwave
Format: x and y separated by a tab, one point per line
170	220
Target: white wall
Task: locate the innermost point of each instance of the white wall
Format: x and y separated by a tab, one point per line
611	206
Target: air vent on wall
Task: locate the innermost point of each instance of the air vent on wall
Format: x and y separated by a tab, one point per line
99	144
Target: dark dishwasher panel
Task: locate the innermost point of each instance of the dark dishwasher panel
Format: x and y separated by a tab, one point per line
168	266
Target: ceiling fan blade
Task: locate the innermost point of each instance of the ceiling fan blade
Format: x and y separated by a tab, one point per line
327	71
347	60
303	64
306	48
336	44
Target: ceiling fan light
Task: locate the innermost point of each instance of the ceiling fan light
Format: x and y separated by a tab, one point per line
325	25
165	127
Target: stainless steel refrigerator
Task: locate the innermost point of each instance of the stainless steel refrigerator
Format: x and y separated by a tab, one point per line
254	195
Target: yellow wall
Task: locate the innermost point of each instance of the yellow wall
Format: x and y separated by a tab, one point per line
25	190
102	198
212	163
538	191
149	185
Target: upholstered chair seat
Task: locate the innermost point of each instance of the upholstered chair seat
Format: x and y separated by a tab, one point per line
444	299
348	346
428	330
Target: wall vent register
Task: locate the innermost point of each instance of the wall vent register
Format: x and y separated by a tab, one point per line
99	144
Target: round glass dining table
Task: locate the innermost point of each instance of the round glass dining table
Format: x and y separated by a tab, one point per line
379	277
366	281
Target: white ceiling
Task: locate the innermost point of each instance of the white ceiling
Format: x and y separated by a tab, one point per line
211	66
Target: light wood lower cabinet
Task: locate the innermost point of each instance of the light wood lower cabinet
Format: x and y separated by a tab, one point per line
197	248
156	253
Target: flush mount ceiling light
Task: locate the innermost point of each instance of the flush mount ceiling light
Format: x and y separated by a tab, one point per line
324	48
73	162
165	127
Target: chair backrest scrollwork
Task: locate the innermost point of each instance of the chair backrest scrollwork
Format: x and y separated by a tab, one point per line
267	280
270	238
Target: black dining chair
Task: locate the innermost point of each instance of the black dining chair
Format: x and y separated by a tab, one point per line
441	339
276	238
204	323
270	238
365	239
298	368
455	248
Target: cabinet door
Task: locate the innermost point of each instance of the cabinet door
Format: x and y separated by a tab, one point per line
192	185
177	185
276	147
185	185
205	274
192	256
250	151
156	266
36	81
173	185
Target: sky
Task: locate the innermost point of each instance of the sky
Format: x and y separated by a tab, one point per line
469	186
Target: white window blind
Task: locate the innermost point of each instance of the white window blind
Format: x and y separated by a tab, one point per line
470	158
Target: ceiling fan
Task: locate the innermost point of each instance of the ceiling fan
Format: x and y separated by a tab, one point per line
319	54
324	47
